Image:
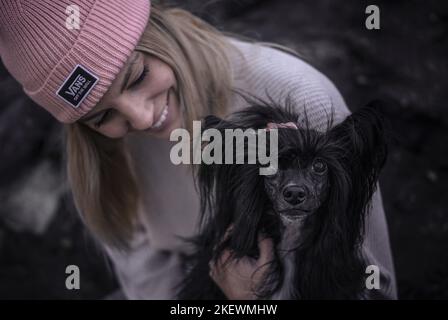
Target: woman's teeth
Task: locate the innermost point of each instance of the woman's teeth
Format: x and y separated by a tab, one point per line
162	118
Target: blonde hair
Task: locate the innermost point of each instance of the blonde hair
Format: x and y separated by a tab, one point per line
101	177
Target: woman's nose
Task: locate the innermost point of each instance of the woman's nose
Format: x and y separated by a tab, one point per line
139	114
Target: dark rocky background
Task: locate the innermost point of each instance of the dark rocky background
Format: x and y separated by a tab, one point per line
404	63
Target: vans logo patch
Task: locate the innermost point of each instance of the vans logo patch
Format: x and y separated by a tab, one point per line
77	86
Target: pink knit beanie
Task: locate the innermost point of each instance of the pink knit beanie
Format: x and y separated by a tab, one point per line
66	53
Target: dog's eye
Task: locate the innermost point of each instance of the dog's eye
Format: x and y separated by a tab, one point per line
319	166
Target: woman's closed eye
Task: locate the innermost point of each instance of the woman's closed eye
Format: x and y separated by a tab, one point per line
140	78
103	118
107	113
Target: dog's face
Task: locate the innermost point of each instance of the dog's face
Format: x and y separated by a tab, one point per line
299	187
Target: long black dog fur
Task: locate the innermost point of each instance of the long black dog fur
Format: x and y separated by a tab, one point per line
328	260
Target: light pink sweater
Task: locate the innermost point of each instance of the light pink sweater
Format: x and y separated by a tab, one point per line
171	204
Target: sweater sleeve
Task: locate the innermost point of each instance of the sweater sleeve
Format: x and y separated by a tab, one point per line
377	252
145	273
277	74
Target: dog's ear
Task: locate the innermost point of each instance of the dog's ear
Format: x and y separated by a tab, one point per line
361	140
363	136
358	154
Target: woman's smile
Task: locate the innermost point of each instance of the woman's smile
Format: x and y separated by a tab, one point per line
161	120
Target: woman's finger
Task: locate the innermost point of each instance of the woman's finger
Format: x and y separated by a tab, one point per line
224	259
217	266
266	248
225	237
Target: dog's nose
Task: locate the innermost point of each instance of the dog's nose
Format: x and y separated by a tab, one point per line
294	194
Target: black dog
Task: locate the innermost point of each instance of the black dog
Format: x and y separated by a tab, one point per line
313	208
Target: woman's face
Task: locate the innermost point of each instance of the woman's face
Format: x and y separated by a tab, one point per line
141	98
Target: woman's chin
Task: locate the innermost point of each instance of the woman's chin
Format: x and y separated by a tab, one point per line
166	133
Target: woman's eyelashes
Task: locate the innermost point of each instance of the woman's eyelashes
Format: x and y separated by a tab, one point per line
106	114
141	77
103	118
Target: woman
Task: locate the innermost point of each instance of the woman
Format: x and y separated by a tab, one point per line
122	75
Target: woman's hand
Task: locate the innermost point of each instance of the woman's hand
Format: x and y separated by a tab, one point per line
239	279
